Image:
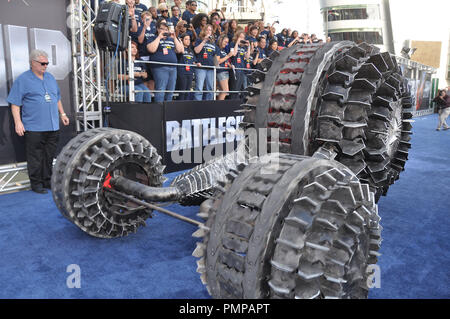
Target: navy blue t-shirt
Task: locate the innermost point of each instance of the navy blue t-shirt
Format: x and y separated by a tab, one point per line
187	16
138	67
174	20
239	59
281	39
187	57
149	32
165	51
207	54
223	53
139	8
38	100
251	39
261	53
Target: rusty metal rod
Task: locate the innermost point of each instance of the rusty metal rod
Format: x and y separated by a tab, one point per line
160	209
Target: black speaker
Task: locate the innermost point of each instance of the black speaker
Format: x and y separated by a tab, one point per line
112	26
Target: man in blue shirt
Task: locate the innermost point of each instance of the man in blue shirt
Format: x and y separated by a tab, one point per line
191	6
35	102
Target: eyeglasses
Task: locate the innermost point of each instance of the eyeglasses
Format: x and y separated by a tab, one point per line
42	63
193	4
162	11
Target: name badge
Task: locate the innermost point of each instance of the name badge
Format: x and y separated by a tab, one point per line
165	51
47	97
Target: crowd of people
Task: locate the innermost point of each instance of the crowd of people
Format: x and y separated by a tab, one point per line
199	42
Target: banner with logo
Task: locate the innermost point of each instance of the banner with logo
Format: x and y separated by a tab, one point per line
185	133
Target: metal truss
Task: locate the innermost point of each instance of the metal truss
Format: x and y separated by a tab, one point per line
14	177
86	66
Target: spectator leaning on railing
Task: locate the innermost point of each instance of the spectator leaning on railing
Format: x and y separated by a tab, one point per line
139	73
163	48
206	51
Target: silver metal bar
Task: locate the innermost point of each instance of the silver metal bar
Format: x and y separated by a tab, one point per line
160	209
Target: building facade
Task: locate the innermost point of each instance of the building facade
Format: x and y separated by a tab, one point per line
358	21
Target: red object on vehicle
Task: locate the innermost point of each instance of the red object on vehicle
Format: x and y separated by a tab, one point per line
107	182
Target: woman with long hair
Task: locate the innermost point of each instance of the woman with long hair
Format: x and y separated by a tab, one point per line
232	28
273	46
139	74
185	73
223	75
206	52
214	20
241	53
163	48
199	21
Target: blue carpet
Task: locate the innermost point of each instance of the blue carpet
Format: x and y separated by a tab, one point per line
37	243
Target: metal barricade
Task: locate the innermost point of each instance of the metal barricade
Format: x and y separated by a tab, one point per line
116	88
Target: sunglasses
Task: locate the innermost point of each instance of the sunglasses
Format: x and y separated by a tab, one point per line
42	63
164	11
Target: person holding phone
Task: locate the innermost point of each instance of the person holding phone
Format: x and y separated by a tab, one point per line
163	47
185	73
214	19
206	52
239	60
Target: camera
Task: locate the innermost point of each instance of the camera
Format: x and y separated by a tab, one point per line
244	42
166	34
186	26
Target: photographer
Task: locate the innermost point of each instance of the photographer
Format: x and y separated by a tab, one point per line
163	48
214	19
147	30
206	52
273	46
182	27
241	55
185	74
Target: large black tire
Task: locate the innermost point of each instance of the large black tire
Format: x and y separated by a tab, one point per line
82	170
348	96
304	228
